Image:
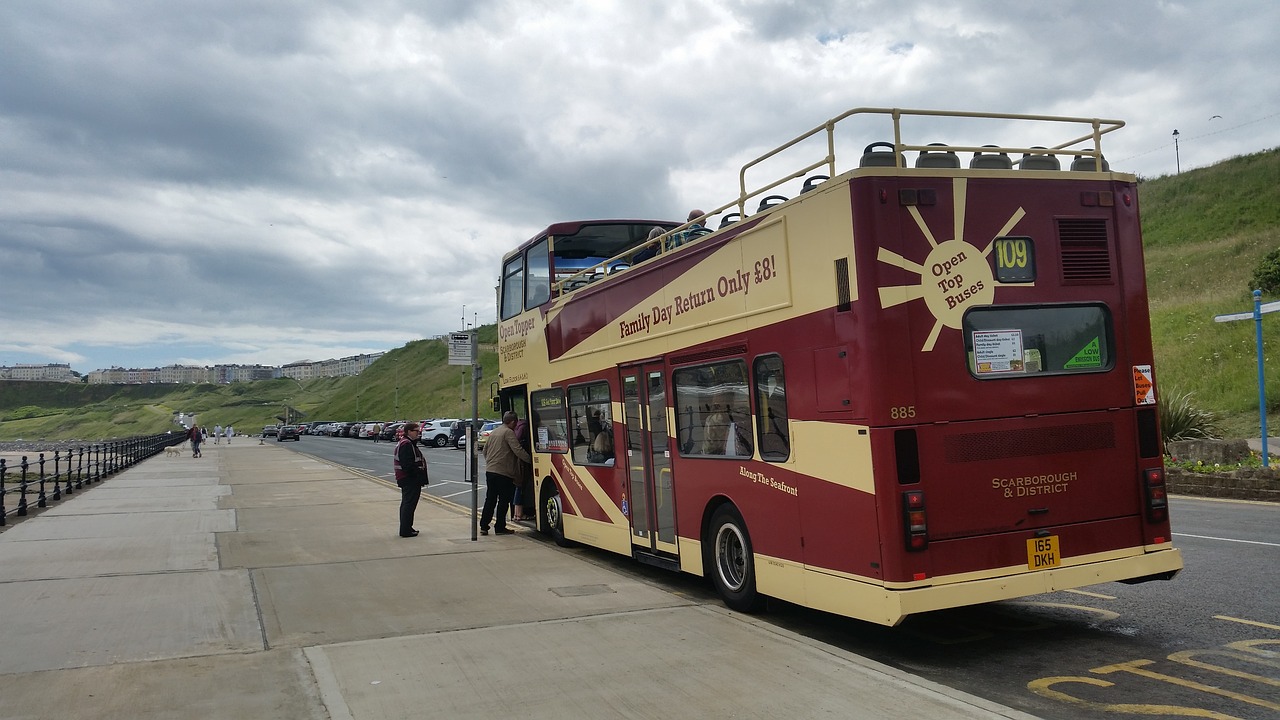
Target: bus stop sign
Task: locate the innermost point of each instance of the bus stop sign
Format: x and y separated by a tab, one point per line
462	348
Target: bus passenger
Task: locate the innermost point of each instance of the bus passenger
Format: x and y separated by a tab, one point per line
502	456
695	230
715	433
651	247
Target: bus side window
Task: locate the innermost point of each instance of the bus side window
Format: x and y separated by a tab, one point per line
713	417
771	409
591	424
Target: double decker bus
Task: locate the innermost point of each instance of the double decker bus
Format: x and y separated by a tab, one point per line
922	380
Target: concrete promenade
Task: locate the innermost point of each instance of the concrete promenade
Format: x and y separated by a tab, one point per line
260	583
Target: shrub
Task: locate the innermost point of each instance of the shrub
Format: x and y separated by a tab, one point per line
1181	420
1266	277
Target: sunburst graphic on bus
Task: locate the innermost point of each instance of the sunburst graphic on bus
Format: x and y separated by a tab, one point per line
954	276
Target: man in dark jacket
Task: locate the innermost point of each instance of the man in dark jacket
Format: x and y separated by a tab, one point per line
411	475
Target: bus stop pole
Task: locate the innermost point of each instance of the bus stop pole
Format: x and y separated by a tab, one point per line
1258	311
476	372
1262	383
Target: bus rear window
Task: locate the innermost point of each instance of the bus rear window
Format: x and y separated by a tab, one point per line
1005	341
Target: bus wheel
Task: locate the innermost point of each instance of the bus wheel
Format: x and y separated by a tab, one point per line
730	563
553	517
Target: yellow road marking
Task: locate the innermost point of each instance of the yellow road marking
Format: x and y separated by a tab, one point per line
1247	622
1044	688
1136	667
1105	614
1091	594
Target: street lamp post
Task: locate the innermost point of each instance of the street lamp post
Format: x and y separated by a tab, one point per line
1177	158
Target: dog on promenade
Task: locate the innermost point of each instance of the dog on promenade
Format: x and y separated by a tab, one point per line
172	450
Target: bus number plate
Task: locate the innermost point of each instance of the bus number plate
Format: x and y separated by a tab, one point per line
1042	553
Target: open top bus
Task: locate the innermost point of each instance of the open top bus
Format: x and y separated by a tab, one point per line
922	381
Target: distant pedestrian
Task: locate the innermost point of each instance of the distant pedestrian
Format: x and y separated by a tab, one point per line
231	432
377	432
502	456
196	435
411	475
217	434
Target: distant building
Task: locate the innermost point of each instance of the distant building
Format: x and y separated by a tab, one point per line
223	374
47	373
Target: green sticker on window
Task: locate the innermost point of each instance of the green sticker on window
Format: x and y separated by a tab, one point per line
1090	356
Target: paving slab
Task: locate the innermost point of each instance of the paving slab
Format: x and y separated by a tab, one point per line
71	524
99	556
130	618
292	494
681	662
269	685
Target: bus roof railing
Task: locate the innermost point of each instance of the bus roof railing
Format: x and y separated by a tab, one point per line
1097	127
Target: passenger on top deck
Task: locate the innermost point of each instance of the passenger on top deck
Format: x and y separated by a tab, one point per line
650	248
695	230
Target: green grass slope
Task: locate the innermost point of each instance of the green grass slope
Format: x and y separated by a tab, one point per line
1205	231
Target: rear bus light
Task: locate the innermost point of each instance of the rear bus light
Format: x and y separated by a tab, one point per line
913	521
1157	495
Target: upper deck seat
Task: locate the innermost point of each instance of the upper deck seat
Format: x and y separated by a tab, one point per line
1088	163
1039	162
937	158
871	157
812	182
729	218
769	201
991	160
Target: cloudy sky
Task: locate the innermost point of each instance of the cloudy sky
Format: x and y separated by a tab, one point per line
239	181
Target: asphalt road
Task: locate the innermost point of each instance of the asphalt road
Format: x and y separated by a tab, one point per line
1206	644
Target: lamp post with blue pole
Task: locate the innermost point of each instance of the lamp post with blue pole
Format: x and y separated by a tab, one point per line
1258	311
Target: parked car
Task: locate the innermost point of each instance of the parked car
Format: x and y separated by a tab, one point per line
391	431
437	433
371	430
458	433
288	432
487	429
270	431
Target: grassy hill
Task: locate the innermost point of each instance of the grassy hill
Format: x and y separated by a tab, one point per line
1205	232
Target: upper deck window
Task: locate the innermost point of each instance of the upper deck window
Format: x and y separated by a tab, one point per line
1004	341
513	287
538	268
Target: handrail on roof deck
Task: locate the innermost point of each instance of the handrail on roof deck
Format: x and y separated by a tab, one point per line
1098	128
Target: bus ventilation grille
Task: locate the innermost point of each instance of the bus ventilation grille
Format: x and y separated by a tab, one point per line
975	447
731	351
844	298
1086	253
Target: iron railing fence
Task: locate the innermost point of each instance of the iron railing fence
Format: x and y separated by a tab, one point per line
33	482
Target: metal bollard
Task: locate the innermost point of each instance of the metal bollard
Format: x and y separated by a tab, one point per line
22	489
57	475
41	500
79	470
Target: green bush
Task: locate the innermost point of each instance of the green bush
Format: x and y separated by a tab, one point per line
1266	277
1181	420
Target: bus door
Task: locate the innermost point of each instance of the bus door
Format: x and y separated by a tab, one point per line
650	486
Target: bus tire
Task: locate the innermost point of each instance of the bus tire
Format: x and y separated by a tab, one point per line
552	520
729	561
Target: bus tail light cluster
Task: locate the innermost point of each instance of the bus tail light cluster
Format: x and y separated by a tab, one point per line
1157	494
913	520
